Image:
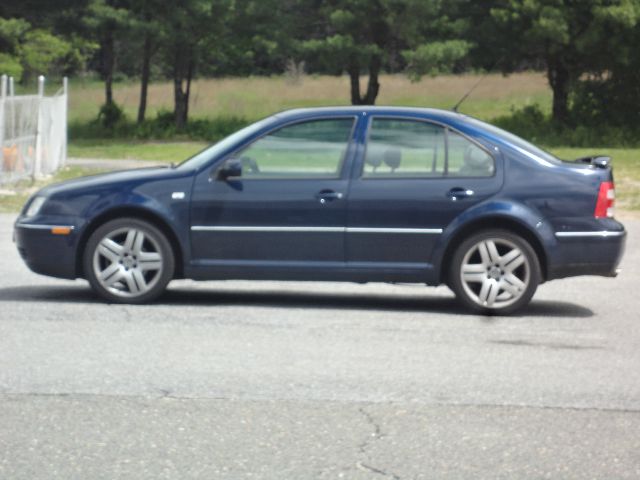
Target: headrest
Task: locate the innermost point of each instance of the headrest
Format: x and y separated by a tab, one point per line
476	157
392	157
374	157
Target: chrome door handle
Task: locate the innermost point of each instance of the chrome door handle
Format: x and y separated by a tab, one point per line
325	196
459	193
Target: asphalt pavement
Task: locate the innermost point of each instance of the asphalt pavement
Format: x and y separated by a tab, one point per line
277	380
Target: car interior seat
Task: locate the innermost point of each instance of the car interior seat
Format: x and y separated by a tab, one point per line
476	162
374	157
393	158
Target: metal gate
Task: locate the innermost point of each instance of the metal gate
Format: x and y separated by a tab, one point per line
33	132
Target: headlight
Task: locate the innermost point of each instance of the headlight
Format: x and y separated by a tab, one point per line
35	206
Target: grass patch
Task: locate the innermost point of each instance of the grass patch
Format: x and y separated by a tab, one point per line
532	123
520	103
135	150
162	128
253	98
626	171
21	191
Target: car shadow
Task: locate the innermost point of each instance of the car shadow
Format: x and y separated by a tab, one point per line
212	297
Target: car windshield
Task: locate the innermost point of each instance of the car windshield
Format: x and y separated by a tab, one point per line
518	142
220	147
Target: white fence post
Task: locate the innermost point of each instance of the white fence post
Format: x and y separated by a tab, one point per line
65	92
13	108
3	94
37	168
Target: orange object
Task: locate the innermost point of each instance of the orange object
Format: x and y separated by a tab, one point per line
10	157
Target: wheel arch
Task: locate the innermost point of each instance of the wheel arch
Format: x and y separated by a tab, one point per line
491	223
132	212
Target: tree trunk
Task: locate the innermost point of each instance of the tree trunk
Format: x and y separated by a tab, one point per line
373	86
559	80
144	81
108	64
181	96
180	107
188	90
181	100
354	75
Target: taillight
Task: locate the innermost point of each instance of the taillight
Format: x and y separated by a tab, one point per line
606	199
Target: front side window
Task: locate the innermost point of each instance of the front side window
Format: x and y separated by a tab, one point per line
314	149
408	148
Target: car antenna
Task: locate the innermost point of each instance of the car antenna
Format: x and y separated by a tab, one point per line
464	97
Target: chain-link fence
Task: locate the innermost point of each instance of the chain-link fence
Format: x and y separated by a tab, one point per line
33	132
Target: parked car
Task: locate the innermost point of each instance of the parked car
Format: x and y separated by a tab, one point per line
357	194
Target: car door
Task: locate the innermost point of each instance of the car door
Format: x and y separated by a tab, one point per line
412	179
287	206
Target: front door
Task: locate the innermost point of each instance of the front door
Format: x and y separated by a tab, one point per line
286	209
415	178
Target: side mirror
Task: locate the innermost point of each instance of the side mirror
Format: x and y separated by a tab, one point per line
231	167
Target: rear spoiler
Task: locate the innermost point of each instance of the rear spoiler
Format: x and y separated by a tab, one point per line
598	161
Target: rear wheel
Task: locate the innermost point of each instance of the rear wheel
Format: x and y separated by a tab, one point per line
128	261
494	272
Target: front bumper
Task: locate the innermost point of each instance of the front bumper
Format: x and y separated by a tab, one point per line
46	252
587	253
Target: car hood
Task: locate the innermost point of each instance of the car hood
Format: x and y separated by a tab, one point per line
99	181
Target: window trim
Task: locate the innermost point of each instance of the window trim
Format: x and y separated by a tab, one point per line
343	161
446	129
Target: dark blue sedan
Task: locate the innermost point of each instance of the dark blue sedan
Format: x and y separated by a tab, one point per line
357	194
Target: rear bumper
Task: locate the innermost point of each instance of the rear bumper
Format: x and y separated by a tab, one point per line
587	253
44	252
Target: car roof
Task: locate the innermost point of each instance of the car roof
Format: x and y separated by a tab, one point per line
373	109
456	120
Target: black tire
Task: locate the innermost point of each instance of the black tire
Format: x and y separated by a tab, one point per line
494	272
128	260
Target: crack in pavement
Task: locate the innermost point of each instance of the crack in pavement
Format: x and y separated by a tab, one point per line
376	435
127	313
368	468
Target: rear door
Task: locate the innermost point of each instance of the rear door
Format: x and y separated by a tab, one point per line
412	179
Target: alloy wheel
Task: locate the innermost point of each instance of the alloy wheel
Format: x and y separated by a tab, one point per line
495	273
127	262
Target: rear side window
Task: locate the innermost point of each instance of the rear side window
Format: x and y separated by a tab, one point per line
408	148
466	159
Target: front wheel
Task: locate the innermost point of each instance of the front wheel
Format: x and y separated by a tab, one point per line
494	272
128	261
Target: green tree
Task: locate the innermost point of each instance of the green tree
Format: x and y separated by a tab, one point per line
12	30
609	94
28	51
43	52
362	36
146	28
106	19
10	65
190	33
569	38
257	37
